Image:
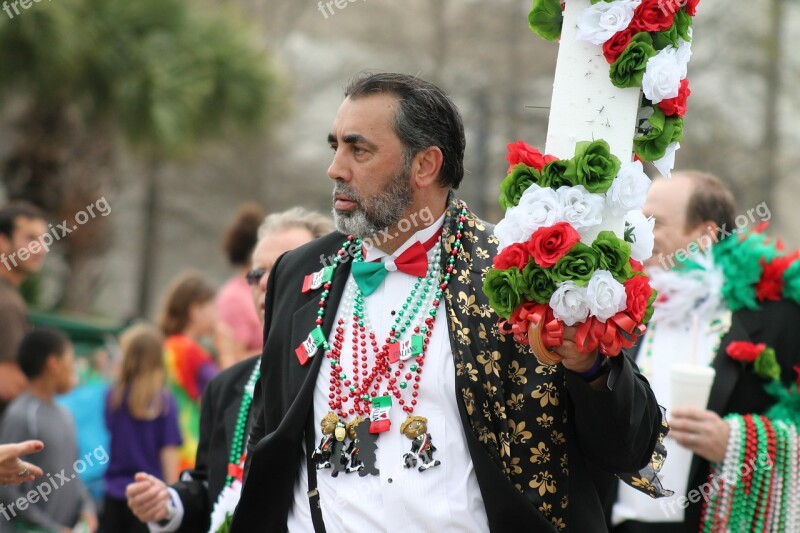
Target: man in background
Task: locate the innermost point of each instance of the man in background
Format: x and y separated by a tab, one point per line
22	254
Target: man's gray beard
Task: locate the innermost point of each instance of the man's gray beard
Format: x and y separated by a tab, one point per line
383	211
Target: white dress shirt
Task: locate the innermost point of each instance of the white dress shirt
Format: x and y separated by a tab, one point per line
443	498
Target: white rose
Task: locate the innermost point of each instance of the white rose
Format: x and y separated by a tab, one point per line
600	22
509	230
641	235
667	163
538	207
581	208
629	189
662	76
570	303
606	295
683	55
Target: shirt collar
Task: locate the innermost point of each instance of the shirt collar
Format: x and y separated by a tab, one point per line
373	253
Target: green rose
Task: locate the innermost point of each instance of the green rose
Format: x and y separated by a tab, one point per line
666	38
577	265
503	289
652	145
683	21
614	255
537	285
512	187
628	69
553	174
594	166
546	19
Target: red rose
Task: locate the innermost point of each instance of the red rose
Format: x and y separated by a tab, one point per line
514	255
745	351
676	106
770	286
655	15
617	44
691	7
548	245
638	291
636	266
520	152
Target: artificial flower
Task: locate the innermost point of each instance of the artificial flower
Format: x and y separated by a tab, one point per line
515	255
628	69
599	22
614	255
521	152
606	295
537	285
676	107
502	287
655	15
577	265
520	177
638	296
593	166
549	244
662	76
617	44
570	303
628	191
546	18
581	208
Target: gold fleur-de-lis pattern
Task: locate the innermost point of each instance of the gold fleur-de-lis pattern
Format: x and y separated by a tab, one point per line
515	405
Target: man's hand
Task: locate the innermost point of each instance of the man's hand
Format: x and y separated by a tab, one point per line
147	498
701	431
11	466
573	359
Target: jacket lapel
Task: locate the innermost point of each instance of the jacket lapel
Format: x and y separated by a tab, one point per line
728	370
303	322
232	411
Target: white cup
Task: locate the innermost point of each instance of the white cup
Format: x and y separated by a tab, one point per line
691	385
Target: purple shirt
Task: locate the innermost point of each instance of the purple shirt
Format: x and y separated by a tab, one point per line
136	444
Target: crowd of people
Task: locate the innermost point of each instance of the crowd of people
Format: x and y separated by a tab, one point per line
294	397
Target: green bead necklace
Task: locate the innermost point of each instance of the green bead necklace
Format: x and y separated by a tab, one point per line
239	443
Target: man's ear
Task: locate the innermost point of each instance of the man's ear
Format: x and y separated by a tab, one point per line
706	234
426	166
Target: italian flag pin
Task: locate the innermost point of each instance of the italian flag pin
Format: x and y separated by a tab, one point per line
379	414
405	350
316	280
309	347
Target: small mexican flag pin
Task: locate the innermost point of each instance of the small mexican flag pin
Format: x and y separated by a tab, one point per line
316	280
379	415
307	349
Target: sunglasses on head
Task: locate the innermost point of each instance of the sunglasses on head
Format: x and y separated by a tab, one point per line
254	276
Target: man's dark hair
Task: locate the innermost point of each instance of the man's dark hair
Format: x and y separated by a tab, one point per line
10	212
37	346
242	235
710	200
426	117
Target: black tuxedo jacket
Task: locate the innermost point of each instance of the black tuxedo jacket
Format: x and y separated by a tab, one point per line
736	389
219	410
615	428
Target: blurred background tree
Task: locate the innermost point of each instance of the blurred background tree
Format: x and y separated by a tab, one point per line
84	74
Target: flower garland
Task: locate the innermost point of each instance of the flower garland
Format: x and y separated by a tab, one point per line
559	259
647	44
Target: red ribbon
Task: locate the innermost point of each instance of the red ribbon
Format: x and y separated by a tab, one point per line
618	332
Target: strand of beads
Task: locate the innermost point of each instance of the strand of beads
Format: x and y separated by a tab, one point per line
239	443
362	380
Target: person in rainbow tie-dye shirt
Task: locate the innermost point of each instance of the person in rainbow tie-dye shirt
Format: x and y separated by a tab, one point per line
188	317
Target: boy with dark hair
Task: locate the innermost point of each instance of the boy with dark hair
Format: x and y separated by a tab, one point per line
60	501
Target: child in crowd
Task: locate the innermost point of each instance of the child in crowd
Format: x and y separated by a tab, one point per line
45	357
142	418
188	317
